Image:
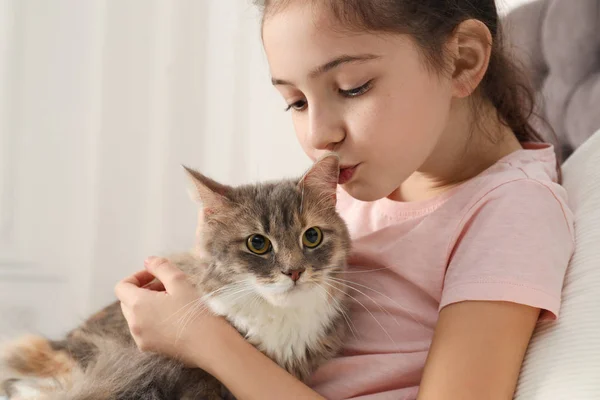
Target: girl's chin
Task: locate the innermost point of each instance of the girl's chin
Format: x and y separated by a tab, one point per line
364	192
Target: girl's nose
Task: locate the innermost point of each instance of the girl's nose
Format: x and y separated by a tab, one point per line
325	130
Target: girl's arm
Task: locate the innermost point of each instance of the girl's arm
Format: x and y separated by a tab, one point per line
477	351
154	314
249	374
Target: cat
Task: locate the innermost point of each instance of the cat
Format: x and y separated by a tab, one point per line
264	258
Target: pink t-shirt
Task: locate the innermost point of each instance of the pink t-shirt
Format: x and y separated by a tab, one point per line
505	235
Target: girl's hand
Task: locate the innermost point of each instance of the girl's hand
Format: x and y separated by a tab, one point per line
167	316
164	317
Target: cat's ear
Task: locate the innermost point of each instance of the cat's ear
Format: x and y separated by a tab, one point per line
323	176
211	194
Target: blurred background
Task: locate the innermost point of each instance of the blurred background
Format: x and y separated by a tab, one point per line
100	103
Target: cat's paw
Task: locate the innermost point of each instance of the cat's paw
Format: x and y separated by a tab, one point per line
7	387
25	389
15	390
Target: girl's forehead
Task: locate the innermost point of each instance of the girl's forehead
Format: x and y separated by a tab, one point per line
300	38
304	13
300	22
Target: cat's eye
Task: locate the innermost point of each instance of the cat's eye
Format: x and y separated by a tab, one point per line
258	244
312	237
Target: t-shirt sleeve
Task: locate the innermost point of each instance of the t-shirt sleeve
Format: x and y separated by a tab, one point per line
514	246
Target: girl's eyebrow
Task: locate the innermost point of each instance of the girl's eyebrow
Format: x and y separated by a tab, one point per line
328	66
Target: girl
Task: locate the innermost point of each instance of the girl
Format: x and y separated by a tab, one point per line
449	194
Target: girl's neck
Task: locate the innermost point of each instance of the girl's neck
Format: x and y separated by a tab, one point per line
465	149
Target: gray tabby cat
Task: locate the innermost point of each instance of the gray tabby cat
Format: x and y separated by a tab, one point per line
267	253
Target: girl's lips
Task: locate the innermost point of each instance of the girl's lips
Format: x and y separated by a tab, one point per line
346	174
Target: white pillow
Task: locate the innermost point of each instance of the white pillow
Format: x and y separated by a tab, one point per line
563	359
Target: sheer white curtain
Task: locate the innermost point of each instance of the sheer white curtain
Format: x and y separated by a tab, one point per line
100	103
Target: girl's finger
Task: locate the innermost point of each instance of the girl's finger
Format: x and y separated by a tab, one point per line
166	272
141	278
131	287
156	286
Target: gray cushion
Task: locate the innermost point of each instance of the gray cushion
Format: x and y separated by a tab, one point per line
558	43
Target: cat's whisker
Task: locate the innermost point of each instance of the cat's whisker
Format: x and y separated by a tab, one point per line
326	296
191	303
350	324
237	288
325	292
370	298
226	287
239	294
181	310
366	309
230	286
344	314
240	287
182	321
195	313
202	300
201	305
226	290
341	281
373	300
197	310
359	272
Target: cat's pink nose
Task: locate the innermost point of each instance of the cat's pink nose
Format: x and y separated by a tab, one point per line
294	274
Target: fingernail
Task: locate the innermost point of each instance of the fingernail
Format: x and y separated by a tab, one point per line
148	260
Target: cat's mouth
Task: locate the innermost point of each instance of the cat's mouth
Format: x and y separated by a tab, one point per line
279	288
285	295
281	292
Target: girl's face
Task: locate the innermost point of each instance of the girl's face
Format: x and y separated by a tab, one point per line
366	96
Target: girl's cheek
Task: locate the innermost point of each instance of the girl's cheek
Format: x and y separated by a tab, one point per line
300	128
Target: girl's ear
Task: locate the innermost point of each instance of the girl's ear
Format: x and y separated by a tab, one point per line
470	48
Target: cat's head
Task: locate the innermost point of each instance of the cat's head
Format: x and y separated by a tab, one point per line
282	239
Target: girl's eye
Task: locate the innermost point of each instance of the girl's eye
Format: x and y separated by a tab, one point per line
298	105
258	244
356	91
301	105
312	237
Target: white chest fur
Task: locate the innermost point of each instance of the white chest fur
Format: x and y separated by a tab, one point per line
284	333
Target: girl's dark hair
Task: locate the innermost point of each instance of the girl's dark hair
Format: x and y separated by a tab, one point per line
430	23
